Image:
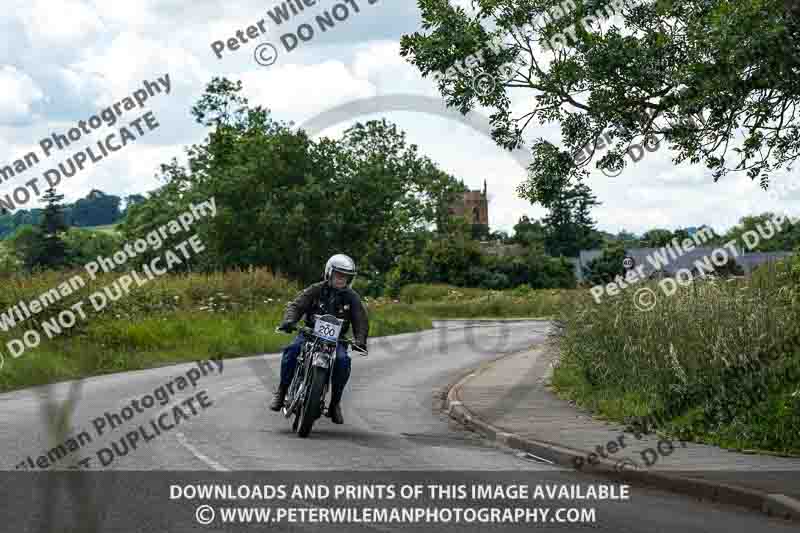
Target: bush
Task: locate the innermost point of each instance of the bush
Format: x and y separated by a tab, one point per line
85	245
547	272
460	262
409	269
478	276
729	268
496	281
448	260
606	267
370	284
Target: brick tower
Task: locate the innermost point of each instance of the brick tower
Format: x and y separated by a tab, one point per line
473	205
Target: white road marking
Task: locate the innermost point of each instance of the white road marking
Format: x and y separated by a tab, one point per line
183	441
194	451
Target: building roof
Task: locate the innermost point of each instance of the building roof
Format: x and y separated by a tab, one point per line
671	260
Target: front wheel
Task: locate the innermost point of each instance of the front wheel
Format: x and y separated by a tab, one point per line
312	407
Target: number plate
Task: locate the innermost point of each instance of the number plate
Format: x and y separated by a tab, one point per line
327	331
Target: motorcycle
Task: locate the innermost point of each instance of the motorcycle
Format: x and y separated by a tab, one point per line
313	375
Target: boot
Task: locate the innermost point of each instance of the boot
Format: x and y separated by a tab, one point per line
335	408
278	397
335	412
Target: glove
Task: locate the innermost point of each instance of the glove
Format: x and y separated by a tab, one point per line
288	327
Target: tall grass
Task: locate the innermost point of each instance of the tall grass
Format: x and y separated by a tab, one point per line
171	318
719	359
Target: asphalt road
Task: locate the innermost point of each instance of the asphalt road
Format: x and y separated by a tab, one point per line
394	432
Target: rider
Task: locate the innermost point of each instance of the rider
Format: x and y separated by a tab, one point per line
334	295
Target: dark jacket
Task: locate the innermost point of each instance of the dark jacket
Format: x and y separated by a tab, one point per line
321	299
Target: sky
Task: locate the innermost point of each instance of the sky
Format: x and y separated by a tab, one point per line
66	60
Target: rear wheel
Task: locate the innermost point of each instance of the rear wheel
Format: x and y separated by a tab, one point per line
313	401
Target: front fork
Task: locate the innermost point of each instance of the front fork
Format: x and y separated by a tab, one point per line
305	364
323	359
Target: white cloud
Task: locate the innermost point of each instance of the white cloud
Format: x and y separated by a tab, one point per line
55	25
131	58
19	96
304	90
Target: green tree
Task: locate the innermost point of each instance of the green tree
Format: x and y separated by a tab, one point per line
628	239
97	209
570	227
529	232
748	231
715	238
656	238
545	272
606	267
480	232
50	252
288	202
696	75
25	245
501	236
85	245
133	199
448	258
409	268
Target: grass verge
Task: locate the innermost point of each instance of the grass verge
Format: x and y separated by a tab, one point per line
717	361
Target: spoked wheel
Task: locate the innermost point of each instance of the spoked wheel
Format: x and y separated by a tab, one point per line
295	406
311	408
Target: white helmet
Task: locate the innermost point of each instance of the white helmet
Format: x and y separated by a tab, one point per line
341	263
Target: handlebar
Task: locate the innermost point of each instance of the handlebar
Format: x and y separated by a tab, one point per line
310	333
